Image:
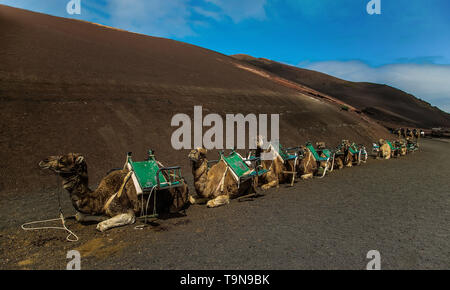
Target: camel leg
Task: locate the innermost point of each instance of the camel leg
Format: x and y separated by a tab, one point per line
197	200
307	176
339	163
273	183
83	218
218	201
117	221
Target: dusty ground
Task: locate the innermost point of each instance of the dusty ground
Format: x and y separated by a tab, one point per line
399	207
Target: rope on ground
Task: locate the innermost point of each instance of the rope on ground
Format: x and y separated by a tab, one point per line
64	227
61	218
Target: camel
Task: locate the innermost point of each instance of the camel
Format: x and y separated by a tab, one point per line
308	165
339	161
403	132
321	146
409	133
416	133
402	144
215	185
103	205
385	149
279	170
346	158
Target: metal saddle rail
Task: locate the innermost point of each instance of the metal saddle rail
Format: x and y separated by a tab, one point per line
295	154
319	158
412	146
338	150
290	153
150	174
240	168
172	178
359	149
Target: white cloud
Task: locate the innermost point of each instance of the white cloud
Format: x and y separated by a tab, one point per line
154	17
173	18
430	82
208	13
239	10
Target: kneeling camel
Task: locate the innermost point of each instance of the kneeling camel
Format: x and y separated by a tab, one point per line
104	205
215	185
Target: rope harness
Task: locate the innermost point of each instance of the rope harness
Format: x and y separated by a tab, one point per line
71	237
222	181
118	193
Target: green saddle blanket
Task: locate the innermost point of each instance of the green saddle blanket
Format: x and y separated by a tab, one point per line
316	155
240	168
148	172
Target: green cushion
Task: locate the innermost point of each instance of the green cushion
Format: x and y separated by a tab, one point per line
285	155
145	172
392	146
239	167
352	150
315	154
327	153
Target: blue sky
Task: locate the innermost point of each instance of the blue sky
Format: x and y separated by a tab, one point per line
407	46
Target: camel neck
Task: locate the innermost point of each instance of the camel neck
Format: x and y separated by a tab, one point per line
200	172
200	167
80	194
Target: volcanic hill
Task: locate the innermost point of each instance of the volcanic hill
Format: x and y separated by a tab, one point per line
390	106
73	86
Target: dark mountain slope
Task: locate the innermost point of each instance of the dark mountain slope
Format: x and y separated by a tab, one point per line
72	86
389	105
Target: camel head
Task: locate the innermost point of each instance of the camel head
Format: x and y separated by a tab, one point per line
345	149
69	164
320	145
259	142
198	154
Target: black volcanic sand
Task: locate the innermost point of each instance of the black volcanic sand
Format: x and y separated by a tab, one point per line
399	207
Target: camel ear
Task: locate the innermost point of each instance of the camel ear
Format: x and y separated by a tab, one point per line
202	151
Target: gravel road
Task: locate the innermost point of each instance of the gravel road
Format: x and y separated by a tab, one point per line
400	207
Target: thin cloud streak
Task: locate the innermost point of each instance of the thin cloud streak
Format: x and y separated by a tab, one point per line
429	81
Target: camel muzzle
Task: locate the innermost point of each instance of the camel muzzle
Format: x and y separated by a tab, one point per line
44	164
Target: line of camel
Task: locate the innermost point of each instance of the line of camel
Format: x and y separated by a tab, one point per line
102	205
